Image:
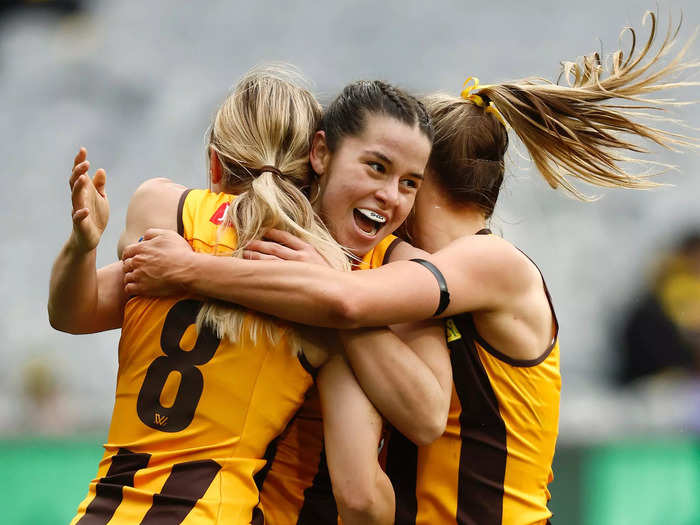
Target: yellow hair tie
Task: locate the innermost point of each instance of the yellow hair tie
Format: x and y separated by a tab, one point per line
467	94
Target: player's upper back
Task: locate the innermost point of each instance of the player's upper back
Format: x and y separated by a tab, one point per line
186	396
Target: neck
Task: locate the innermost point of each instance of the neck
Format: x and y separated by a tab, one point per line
443	223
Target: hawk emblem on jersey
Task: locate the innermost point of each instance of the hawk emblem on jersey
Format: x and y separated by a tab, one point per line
161	420
219	214
451	331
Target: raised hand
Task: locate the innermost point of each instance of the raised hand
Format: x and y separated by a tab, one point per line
90	205
281	245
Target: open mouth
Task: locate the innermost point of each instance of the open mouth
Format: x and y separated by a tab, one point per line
369	221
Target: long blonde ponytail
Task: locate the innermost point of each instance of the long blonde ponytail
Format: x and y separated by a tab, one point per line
262	134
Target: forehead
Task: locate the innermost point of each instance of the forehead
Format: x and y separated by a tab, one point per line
405	146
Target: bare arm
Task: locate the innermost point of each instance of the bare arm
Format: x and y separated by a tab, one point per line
408	378
483	273
352	428
296	291
406	372
83	299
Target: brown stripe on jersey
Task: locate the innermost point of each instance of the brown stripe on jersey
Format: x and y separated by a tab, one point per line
311	369
389	249
259	478
319	506
402	469
180	207
269	457
108	491
186	484
483	454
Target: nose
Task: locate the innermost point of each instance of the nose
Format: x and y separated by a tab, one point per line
388	193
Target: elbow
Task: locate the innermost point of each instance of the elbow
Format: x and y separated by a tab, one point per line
354	306
62	323
429	432
429	427
355	499
55	320
345	308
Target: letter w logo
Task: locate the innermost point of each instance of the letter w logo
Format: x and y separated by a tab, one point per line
161	420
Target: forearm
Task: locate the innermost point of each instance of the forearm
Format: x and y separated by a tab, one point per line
303	293
398	382
351	427
313	294
83	299
380	512
73	291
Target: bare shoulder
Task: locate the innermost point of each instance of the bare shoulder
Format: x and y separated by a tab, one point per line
158	188
487	272
404	251
154	204
495	257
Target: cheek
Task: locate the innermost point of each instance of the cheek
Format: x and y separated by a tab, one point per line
405	209
331	210
420	204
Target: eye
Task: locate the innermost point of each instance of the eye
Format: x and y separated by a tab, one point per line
377	166
410	183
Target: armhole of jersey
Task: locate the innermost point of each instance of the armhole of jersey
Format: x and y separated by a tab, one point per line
387	253
306	365
520	363
500	355
180	210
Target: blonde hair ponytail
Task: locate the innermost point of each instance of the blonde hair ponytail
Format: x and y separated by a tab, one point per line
570	133
262	134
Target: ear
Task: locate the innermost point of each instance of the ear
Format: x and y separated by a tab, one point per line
215	167
320	155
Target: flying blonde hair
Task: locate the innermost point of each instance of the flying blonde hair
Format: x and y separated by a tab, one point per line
569	130
261	134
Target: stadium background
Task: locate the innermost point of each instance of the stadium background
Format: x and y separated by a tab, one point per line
137	82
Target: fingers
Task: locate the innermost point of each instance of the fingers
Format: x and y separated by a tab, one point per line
78	170
80	157
258	256
130	285
80	215
99	180
152	233
78	192
272	248
130	251
285	238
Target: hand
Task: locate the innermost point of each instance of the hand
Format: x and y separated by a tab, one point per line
281	245
158	265
90	205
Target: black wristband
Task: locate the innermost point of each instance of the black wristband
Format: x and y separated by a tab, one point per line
444	293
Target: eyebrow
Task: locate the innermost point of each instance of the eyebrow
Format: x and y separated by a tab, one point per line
389	161
379	155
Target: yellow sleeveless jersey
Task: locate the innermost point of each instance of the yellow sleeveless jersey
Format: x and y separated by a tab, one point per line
194	417
297	489
493	463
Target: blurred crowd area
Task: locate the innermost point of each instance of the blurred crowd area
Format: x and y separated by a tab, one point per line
137	83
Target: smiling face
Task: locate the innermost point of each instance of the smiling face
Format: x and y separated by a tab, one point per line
369	183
